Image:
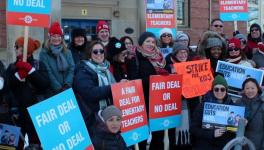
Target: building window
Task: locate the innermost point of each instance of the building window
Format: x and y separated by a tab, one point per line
253	9
183	12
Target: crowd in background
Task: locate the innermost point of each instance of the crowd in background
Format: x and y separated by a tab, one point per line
91	67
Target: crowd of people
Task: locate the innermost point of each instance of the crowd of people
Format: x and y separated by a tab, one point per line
91	67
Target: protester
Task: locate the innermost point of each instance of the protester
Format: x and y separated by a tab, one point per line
217	25
212	47
166	38
216	138
107	131
58	60
258	56
254	103
103	32
182	38
149	61
235	54
92	83
78	44
254	39
28	83
131	48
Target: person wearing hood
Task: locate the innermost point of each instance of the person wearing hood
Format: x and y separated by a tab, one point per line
107	130
58	60
253	100
78	44
28	82
255	41
216	138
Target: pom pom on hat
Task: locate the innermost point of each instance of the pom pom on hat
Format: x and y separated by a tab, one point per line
33	45
214	42
111	111
236	42
144	36
55	28
102	25
220	80
165	30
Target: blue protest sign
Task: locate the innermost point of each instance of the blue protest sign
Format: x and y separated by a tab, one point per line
220	115
59	123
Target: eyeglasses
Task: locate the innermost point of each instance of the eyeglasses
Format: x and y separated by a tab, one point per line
219	89
164	35
216	25
233	49
128	43
98	51
254	30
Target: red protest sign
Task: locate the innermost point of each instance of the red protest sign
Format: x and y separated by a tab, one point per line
197	77
128	96
165	96
233	6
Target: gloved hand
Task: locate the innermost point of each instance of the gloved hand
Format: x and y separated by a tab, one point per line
22	73
23	66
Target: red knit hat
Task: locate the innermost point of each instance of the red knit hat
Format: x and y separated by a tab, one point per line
32	44
102	25
236	42
55	28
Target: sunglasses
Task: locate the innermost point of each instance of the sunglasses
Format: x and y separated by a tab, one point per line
98	51
164	35
233	49
16	47
221	26
219	89
254	30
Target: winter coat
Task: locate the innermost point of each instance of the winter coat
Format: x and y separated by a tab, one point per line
78	53
255	116
29	92
103	139
204	138
258	59
58	79
88	91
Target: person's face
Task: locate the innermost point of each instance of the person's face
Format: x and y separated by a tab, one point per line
216	52
128	43
97	54
219	91
255	33
114	124
55	39
250	89
149	44
237	118
182	55
79	40
218	27
233	51
104	35
166	38
19	50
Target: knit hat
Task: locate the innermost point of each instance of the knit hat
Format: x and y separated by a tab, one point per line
111	111
32	44
144	36
181	37
102	25
236	42
178	47
78	32
55	28
165	30
115	46
220	80
214	42
241	37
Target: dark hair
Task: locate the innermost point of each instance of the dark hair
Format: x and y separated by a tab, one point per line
126	37
89	47
216	19
254	81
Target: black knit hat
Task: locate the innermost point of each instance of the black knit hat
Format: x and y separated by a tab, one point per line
78	32
115	46
144	36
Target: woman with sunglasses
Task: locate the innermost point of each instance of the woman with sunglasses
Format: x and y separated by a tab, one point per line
235	54
217	138
92	82
166	39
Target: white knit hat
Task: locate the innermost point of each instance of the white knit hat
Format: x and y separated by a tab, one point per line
165	30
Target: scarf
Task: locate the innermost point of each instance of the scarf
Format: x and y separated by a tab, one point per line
61	61
104	77
235	60
156	59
